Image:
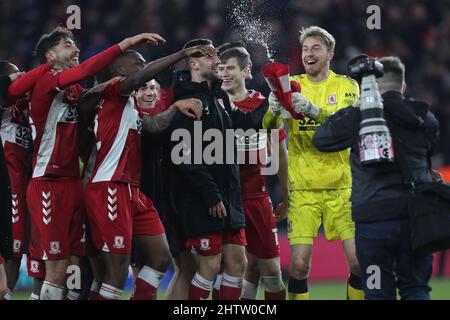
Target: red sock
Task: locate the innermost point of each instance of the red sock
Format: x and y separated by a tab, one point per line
94	292
229	293
196	293
231	287
281	295
94	296
200	288
143	291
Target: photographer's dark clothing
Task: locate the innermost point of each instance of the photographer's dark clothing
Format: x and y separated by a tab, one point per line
194	188
387	244
378	192
379	196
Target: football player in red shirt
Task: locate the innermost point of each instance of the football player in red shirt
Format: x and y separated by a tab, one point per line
54	192
262	250
114	184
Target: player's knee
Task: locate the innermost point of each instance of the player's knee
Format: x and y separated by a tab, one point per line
252	267
161	263
56	271
271	270
236	267
300	268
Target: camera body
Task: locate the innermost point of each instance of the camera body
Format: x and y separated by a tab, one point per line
375	141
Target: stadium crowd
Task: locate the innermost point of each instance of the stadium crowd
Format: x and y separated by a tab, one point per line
421	38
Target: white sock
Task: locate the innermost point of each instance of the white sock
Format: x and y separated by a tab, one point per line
218	282
233	282
7	295
95	286
249	290
110	292
274	283
73	295
34	296
50	291
151	276
202	283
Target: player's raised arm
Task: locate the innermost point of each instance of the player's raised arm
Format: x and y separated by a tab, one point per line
26	82
97	63
137	79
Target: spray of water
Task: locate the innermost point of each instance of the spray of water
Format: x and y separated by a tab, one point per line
253	29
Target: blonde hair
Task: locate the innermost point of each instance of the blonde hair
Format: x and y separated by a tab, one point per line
315	31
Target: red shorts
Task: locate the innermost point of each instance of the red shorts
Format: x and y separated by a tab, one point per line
146	220
57	219
110	209
261	228
35	268
19	214
211	244
2	261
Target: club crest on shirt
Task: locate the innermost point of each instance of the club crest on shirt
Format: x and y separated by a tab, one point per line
332	99
54	247
118	242
34	266
204	244
16	246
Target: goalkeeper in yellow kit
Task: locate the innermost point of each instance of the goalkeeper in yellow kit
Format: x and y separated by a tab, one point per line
319	182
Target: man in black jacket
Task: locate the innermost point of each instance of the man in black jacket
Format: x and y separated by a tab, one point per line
205	196
379	195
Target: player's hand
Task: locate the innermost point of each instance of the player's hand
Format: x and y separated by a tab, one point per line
147	38
437	176
218	211
281	211
193	108
201	50
302	105
356	104
15	75
277	108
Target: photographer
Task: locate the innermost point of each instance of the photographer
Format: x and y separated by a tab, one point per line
379	195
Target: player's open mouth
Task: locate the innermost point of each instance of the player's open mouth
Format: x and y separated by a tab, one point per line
311	62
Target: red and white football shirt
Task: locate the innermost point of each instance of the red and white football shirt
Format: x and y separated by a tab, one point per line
253	184
54	128
117	128
16	140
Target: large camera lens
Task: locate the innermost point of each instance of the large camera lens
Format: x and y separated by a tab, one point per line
362	66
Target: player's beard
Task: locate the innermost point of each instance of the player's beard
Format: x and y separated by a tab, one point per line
212	75
69	62
317	68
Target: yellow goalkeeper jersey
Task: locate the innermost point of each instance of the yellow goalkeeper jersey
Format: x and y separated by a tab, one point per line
308	167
